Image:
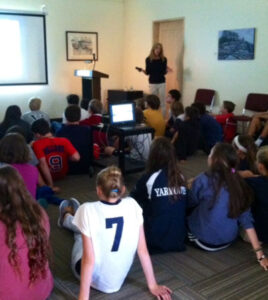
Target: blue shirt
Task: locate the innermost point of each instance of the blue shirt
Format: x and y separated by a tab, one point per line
211	130
212	225
81	138
260	206
164	216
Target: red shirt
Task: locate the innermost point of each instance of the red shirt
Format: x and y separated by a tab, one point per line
229	128
57	152
223	118
99	137
94	119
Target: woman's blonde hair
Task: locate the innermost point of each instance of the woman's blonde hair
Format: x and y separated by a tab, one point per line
110	181
161	54
35	103
262	156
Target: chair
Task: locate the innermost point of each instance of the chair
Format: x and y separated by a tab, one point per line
206	97
255	103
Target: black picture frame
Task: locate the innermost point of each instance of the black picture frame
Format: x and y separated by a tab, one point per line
81	45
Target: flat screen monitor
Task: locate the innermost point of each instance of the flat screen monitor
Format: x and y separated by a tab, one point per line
122	114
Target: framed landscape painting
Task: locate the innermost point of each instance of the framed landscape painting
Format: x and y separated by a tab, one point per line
81	45
236	44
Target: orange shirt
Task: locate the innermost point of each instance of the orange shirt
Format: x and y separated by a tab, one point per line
155	119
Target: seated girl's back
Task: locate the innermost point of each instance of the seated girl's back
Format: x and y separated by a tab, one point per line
162	195
259	184
14	151
24	269
153	115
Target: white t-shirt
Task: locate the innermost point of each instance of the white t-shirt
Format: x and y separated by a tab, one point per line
114	231
84	115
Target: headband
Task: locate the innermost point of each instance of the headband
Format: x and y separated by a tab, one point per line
239	146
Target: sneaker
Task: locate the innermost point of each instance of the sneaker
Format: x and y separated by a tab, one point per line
63	205
74	203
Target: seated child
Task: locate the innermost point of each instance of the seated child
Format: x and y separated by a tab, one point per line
140	103
246	151
153	115
177	113
13	118
73	99
53	152
259	185
220	201
35	113
14	151
226	114
94	113
186	138
17	129
211	130
139	144
162	195
24	248
108	233
259	127
81	139
95	118
173	96
84	103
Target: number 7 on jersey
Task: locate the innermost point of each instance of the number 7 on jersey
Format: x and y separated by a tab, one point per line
119	221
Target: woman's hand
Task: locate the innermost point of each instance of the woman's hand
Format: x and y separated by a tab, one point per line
161	292
169	69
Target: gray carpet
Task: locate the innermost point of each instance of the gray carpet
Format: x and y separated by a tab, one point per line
194	274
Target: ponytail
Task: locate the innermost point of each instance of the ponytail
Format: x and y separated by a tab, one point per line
110	180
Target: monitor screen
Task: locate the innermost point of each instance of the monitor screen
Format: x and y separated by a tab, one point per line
122	113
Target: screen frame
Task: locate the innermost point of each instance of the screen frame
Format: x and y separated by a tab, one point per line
45	47
132	122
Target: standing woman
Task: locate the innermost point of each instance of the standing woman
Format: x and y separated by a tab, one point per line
156	68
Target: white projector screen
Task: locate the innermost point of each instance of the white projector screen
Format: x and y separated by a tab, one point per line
23	58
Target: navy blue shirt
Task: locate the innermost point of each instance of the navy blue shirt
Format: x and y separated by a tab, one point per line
211	130
260	207
212	224
156	69
81	138
188	139
164	216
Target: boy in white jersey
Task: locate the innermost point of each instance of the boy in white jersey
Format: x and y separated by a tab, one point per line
112	231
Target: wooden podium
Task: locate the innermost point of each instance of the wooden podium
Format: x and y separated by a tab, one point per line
91	83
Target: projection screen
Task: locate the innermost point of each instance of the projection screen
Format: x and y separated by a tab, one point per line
23	58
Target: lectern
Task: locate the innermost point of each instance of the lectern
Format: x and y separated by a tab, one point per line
91	83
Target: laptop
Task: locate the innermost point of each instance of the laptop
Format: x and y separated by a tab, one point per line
122	115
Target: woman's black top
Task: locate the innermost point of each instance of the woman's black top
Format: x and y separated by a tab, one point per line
156	69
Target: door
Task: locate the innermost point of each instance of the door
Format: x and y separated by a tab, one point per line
171	35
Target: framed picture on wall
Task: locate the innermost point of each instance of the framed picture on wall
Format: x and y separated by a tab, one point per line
236	44
81	45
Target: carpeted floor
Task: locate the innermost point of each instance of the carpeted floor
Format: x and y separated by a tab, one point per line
194	274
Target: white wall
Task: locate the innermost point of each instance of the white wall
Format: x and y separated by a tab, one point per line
233	80
125	38
102	16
